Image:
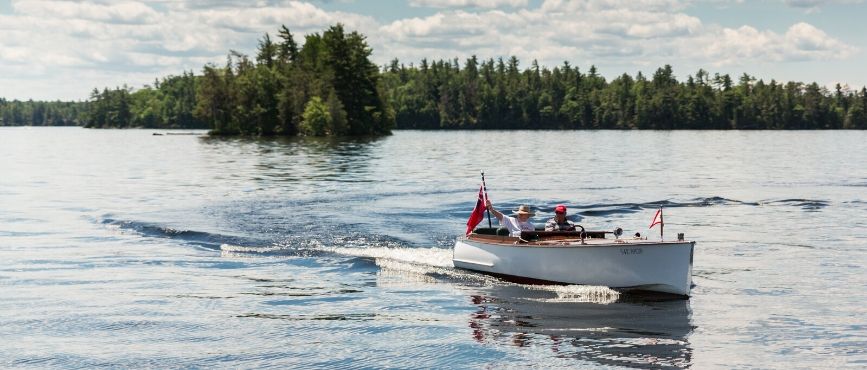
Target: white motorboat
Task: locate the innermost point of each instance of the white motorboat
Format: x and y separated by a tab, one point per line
579	257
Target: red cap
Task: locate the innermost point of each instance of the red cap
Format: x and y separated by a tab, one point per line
560	208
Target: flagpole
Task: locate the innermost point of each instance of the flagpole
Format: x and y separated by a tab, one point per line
661	225
486	199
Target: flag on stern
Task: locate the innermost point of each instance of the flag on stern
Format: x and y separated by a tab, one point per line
657	219
478	212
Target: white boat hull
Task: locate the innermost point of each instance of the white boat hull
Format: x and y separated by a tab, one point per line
632	265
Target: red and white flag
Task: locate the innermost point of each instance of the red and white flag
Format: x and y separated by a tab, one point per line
657	219
478	212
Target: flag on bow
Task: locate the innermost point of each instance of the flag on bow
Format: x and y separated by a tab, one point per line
478	212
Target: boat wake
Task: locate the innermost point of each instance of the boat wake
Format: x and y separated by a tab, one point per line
207	240
231	250
432	257
394	258
433	266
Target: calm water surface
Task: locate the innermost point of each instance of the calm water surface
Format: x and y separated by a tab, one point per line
126	249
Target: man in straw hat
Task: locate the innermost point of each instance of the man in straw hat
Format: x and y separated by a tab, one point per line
514	224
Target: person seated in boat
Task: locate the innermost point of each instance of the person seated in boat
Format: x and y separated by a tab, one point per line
559	222
514	224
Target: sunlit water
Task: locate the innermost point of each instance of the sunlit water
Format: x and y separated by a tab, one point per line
127	249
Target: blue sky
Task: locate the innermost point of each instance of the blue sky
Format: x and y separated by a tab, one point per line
58	49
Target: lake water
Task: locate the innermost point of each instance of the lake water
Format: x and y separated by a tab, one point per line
119	248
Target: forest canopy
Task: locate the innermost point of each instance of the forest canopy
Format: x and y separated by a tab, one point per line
329	86
497	94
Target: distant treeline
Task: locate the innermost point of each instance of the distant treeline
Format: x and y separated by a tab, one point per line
330	87
498	95
170	103
40	113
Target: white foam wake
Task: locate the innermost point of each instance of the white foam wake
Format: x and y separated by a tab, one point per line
434	257
422	263
431	265
229	250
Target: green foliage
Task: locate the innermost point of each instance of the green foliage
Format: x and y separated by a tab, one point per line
273	95
354	79
109	108
169	104
40	113
213	97
338	125
317	118
499	95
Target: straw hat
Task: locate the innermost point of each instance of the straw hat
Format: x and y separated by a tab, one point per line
524	210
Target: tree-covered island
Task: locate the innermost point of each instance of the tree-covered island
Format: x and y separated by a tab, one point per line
329	86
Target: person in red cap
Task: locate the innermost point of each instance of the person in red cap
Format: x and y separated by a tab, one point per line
559	222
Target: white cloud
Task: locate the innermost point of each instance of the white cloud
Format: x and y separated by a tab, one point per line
807	38
468	3
608	32
594	6
646	25
120	12
439	25
596	30
303	16
746	45
812	4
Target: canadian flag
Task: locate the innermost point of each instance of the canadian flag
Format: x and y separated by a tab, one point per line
657	219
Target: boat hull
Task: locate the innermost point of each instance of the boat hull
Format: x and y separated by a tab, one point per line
664	267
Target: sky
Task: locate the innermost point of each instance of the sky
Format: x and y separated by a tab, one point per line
62	50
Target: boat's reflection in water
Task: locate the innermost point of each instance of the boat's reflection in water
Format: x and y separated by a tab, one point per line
629	331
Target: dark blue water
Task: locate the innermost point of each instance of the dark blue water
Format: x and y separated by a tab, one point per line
125	249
